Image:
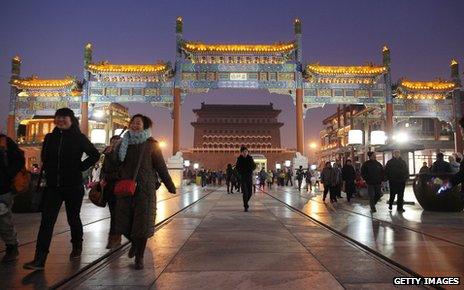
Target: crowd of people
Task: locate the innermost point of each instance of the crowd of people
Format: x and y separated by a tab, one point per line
132	169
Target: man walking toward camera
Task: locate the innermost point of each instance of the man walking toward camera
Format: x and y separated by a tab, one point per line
245	166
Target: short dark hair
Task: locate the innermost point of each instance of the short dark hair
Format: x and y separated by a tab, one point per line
243	148
440	155
147	123
370	153
348	160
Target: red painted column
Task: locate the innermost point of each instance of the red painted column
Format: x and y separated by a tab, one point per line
176	122
389	120
85	118
10	130
299	121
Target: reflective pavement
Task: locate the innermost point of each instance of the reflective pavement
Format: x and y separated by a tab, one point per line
428	243
215	245
96	225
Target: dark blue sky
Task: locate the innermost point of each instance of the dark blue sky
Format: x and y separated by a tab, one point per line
50	36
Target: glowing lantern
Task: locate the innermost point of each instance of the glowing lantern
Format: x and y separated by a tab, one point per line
355	137
378	138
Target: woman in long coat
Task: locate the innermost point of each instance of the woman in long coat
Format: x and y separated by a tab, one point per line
135	215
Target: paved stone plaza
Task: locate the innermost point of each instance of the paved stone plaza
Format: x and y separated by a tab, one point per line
213	244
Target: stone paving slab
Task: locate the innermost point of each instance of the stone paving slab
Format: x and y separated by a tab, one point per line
421	253
226	248
58	266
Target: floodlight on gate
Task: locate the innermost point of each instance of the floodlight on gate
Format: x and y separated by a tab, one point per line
355	137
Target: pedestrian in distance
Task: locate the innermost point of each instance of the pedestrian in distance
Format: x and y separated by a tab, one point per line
141	155
372	172
338	171
288	177
454	164
309	184
262	178
459	176
270	179
245	166
329	179
299	176
440	165
11	162
397	173
61	156
229	177
349	177
424	169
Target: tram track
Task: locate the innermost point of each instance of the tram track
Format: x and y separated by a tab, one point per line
81	275
91	223
376	254
382	221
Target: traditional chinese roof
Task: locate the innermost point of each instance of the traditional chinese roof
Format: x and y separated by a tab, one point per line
346	70
424	90
436	85
34	82
106	67
199	47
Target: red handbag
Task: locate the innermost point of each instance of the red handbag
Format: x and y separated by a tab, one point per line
127	187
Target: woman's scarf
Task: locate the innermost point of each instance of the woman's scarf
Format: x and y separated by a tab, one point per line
131	138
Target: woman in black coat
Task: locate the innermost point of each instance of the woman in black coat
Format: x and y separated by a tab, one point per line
62	153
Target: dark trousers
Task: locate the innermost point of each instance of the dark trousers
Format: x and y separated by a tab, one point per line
326	190
112	208
373	190
299	183
52	201
289	180
350	189
397	188
332	190
247	184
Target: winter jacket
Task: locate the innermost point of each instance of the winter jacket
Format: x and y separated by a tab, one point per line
372	172
396	170
458	177
299	174
348	173
62	152
441	166
455	166
135	215
331	176
245	166
11	162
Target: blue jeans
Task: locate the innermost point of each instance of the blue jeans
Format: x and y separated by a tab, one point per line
7	230
373	190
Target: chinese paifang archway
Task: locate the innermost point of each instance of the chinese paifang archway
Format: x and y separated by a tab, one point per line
199	67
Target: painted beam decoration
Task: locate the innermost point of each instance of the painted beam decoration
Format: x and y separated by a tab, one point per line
36	96
345	84
250	66
125	83
424	99
199	67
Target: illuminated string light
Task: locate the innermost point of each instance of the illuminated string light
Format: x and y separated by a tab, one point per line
250	48
354	70
127	68
430	85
